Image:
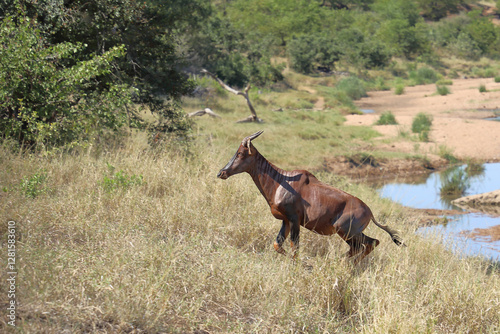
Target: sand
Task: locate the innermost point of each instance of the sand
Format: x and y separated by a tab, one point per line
459	123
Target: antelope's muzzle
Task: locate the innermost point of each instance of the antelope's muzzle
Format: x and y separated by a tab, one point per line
222	174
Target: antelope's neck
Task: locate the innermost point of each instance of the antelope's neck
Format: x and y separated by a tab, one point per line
267	177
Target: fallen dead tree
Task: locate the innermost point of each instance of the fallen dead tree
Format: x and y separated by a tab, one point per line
206	111
253	117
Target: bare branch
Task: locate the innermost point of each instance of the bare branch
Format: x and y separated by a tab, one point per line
253	117
206	111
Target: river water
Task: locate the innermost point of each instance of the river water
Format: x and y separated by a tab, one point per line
425	194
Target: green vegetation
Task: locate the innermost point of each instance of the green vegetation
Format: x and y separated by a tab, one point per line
482	88
455	182
400	89
119	180
442	90
422	122
423	75
447	154
34	185
474	168
352	87
386	118
421	125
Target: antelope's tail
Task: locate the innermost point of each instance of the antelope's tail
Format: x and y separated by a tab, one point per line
393	233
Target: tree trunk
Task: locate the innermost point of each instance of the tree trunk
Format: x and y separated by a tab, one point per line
251	118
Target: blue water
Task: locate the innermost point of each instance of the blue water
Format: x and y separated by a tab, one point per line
425	195
367	111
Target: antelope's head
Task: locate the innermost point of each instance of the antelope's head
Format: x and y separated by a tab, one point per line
242	159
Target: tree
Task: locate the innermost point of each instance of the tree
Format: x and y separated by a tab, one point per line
278	19
482	31
43	101
435	10
227	52
148	31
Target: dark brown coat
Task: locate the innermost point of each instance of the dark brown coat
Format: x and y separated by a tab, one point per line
298	198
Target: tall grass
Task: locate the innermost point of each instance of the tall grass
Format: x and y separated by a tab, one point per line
181	251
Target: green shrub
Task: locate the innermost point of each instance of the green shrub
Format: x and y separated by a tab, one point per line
446	153
421	122
454	183
442	90
45	101
120	180
400	89
309	51
424	75
380	84
424	136
34	185
387	118
482	88
353	87
497	78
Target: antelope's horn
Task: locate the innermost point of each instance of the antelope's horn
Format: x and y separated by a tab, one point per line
247	140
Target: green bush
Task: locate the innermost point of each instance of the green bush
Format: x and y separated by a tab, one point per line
353	87
309	51
400	89
380	84
422	122
387	118
447	154
44	100
424	75
497	78
424	136
454	183
442	90
120	180
34	185
482	88
464	46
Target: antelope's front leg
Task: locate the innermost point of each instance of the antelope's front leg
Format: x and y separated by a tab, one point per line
294	236
282	235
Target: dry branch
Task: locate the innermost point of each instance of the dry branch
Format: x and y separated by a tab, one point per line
251	118
206	111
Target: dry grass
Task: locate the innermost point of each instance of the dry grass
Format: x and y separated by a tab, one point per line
185	252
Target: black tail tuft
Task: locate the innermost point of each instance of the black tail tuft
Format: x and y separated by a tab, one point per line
398	241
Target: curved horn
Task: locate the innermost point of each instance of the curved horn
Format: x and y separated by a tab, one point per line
246	141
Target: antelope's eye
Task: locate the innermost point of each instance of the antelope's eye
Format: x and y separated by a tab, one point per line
240	154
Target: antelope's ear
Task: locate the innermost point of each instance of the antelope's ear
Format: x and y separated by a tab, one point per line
248	143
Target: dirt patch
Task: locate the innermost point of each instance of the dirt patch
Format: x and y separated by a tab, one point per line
369	168
458	118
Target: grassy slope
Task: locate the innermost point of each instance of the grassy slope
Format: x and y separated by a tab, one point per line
186	251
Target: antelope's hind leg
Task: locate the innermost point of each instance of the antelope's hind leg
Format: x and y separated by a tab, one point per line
282	235
363	244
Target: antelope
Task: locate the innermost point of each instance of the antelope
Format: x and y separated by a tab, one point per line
298	198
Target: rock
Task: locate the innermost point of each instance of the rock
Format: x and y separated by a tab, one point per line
487	202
